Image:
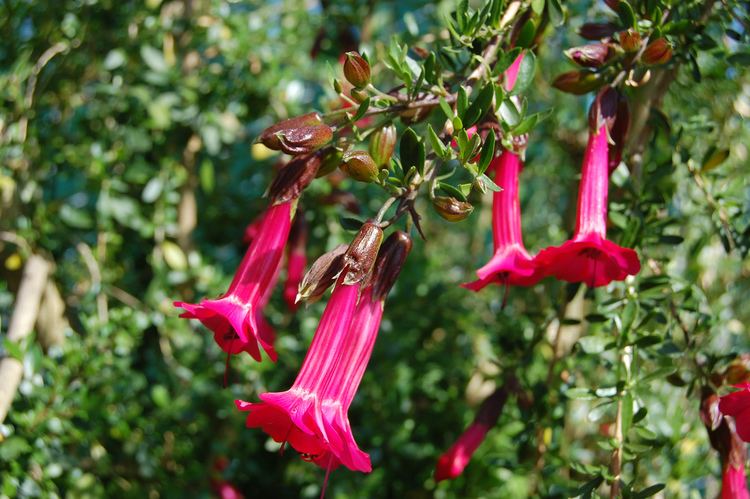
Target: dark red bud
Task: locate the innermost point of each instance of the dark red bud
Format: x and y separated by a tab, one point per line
577	82
360	256
589	56
322	275
604	109
657	52
382	145
451	208
597	31
491	408
391	258
356	70
298	135
630	40
293	178
360	166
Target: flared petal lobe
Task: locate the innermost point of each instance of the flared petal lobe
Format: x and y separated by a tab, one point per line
234	318
734	483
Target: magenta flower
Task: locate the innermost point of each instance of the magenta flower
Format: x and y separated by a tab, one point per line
589	257
296	416
511	265
452	463
296	261
234	317
737	405
734	482
511	74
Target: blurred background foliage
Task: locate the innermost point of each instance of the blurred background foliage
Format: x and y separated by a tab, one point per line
126	158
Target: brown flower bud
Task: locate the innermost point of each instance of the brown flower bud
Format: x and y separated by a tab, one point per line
391	258
630	40
356	70
589	56
360	256
322	275
597	31
360	166
298	135
382	145
577	82
331	161
451	208
657	52
292	178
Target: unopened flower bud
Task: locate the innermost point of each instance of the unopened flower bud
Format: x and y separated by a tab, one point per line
356	70
577	82
298	135
630	40
451	208
360	256
331	161
589	56
391	258
292	178
597	31
657	52
382	145
360	166
337	86
322	275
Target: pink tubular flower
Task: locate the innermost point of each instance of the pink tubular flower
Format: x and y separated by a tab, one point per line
296	260
737	405
589	257
452	463
511	264
295	416
234	317
734	482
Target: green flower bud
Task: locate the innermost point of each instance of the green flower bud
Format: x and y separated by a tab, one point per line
356	70
451	208
360	166
382	144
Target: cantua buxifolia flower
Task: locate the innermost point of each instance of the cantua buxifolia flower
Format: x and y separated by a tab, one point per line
452	463
310	416
737	405
296	259
235	318
723	433
589	256
511	264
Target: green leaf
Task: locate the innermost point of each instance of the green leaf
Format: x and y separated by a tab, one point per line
154	59
479	107
580	394
526	35
411	151
446	108
648	491
489	184
452	191
13	349
713	158
488	152
437	145
626	13
462	101
526	72
361	110
350	223
509	114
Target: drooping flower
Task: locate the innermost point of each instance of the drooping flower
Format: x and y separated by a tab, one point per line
511	264
589	256
235	317
452	463
305	415
737	405
296	260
